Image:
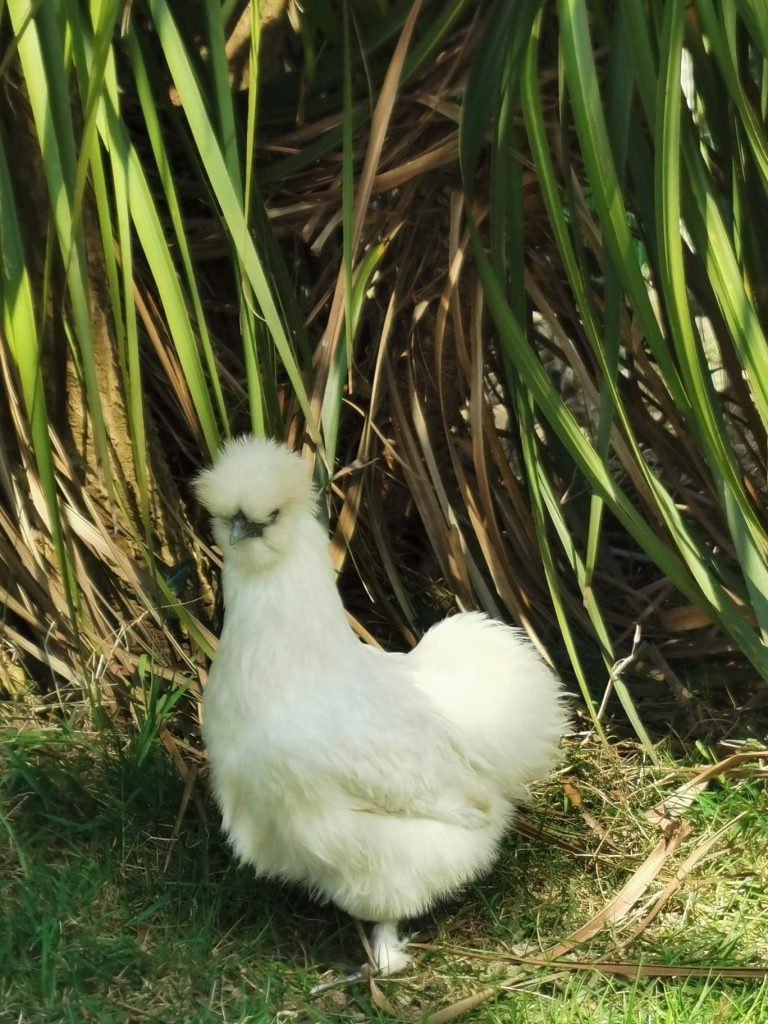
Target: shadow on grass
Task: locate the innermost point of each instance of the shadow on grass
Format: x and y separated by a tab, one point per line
96	927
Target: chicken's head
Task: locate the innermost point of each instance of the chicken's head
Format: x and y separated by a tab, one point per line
257	492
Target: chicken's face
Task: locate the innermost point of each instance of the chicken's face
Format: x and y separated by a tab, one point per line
257	493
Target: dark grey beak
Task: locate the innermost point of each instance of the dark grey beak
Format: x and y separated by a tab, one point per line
241	527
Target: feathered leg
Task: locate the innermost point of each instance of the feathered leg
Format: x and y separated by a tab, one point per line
388	950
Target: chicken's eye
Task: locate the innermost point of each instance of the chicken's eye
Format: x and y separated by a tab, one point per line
274	514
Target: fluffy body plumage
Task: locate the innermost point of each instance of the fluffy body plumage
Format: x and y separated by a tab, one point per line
381	781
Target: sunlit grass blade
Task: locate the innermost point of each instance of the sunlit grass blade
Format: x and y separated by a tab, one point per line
226	195
40	53
722	38
253	337
581	76
704	217
94	67
20	332
91	86
621	86
749	539
212	411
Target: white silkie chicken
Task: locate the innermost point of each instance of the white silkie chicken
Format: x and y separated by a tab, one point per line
380	781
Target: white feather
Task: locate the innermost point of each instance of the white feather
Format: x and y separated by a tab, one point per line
380	781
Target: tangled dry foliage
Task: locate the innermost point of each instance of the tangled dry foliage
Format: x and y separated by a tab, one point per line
438	444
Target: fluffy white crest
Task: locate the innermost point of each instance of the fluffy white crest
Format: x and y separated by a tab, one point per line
257	492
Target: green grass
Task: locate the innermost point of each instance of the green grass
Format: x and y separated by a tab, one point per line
609	1002
105	918
97	929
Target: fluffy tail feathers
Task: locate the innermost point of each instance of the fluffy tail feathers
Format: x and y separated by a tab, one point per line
487	679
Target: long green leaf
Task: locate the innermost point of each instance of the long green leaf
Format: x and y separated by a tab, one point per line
40	53
581	75
226	195
744	527
19	325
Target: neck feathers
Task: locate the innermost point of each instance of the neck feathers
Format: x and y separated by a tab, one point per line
296	596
